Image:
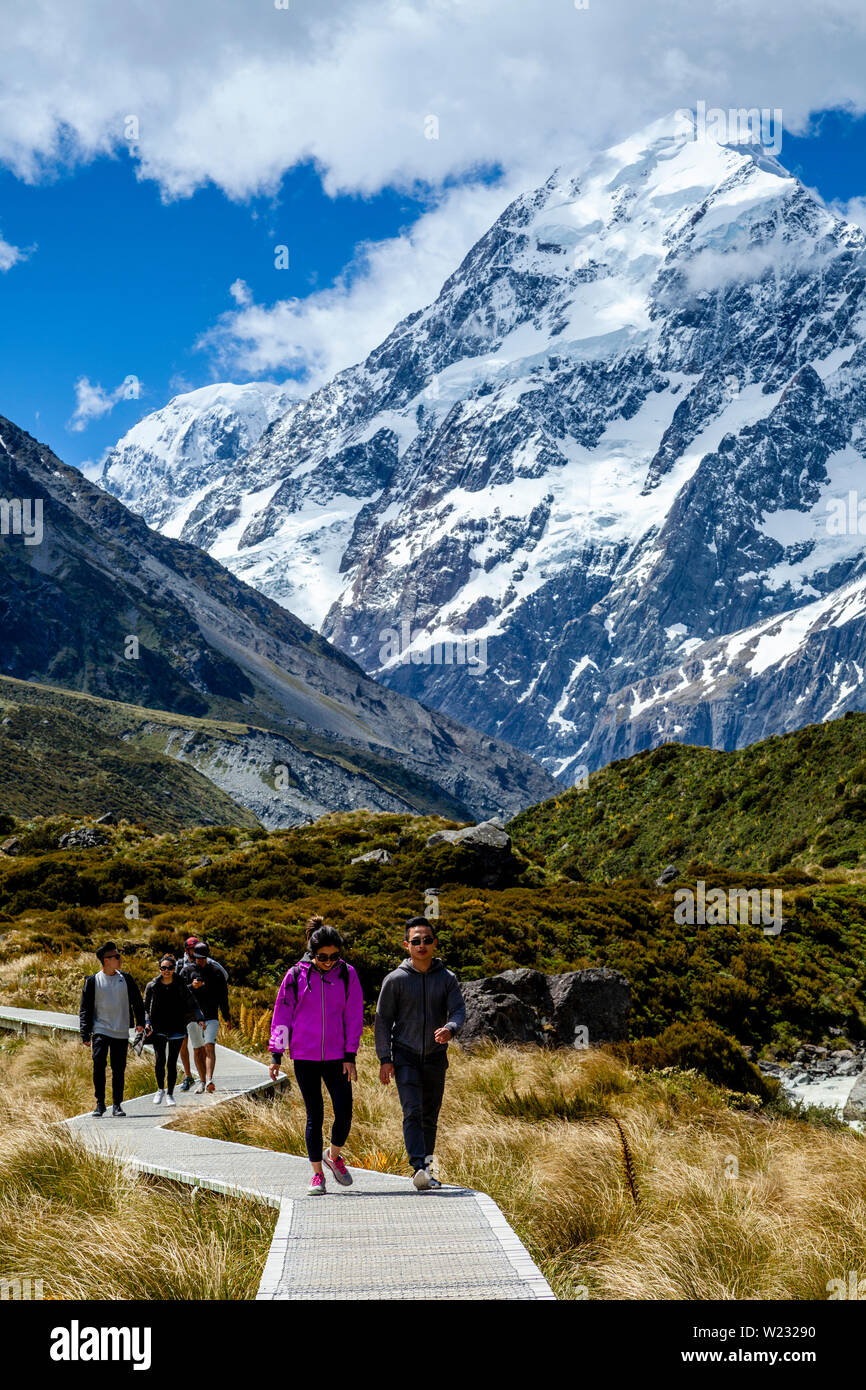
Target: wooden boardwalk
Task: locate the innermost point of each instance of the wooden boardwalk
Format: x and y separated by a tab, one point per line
379	1239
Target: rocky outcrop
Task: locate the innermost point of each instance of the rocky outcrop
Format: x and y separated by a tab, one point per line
488	847
579	1009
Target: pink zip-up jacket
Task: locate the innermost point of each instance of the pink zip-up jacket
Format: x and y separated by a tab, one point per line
325	1024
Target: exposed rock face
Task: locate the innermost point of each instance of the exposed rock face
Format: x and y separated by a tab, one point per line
582	1008
373	856
611	449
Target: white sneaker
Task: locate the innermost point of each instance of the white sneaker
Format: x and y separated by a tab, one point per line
421	1179
170	1100
199	1090
159	1098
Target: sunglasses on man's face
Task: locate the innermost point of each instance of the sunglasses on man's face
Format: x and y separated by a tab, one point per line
421	941
114	956
327	958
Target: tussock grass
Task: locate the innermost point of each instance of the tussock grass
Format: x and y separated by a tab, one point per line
93	1228
537	1130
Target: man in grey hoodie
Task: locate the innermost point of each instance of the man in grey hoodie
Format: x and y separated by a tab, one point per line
420	1010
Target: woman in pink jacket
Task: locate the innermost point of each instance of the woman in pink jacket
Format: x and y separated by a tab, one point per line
318	1017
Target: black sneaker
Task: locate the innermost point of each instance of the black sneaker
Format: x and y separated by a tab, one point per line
98	1113
186	1083
118	1112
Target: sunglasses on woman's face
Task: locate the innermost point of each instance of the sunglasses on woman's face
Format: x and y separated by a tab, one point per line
326	959
166	967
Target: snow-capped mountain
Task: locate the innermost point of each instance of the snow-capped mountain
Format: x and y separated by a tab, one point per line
165	463
610	452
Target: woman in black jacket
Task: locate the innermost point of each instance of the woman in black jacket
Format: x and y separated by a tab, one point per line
169	1005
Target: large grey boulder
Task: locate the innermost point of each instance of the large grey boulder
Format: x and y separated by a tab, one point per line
373	856
855	1107
579	1009
489	845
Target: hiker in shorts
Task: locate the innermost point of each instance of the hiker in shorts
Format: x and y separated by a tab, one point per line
318	1017
207	981
169	1006
420	1010
110	1005
187	960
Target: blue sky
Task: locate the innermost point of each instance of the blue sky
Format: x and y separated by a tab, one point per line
123	283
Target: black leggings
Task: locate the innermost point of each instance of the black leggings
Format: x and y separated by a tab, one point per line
160	1044
309	1076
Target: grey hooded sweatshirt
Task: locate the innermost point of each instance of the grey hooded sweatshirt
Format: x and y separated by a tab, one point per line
412	1005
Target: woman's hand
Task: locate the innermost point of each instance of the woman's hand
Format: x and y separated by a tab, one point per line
350	1070
274	1070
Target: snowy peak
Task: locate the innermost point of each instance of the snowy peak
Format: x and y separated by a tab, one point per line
161	466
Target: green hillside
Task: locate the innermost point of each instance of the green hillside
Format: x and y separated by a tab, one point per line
249	893
798	800
61	753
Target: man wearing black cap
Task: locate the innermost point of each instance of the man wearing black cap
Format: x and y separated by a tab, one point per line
188	964
208	983
110	1004
420	1009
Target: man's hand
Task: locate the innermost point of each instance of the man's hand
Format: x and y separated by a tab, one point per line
198	984
274	1070
350	1070
442	1035
85	1042
139	1027
386	1073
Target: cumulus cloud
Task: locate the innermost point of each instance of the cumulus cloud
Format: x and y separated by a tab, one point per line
236	94
10	255
241	292
392	93
91	401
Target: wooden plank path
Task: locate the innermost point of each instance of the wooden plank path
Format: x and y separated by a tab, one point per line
379	1239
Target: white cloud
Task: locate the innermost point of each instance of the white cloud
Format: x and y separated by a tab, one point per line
237	94
91	401
10	255
852	211
241	292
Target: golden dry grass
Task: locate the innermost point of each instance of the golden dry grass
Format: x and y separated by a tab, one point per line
91	1228
535	1130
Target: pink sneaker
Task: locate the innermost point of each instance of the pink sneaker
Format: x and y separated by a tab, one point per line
338	1168
317	1185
